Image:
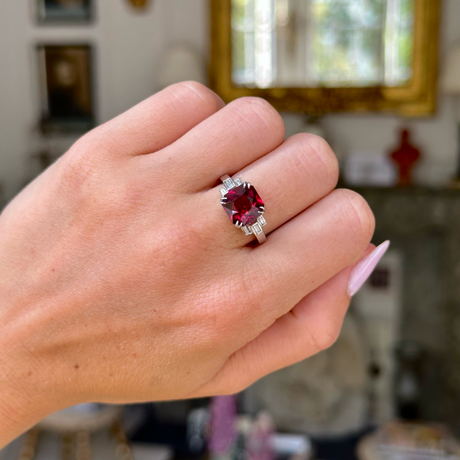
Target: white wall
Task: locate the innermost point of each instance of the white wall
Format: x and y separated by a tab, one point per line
129	47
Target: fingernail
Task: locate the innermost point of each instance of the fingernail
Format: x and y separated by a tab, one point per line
364	268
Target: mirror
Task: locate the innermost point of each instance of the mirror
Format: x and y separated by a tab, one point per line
319	56
330	43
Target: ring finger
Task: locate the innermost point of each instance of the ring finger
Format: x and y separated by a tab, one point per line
289	179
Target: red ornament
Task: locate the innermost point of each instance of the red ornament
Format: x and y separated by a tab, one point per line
405	157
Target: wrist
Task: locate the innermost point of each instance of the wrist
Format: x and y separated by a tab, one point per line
28	392
22	402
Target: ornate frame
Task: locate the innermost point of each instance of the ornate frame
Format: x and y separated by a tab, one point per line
418	98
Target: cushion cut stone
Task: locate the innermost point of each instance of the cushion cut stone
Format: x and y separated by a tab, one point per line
243	204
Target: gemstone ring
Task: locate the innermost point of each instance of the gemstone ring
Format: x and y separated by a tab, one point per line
243	206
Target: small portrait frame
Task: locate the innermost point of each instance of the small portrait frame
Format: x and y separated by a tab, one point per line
66	87
78	12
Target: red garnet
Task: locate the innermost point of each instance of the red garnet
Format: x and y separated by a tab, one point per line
243	204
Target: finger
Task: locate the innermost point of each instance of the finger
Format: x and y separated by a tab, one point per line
159	120
266	282
291	178
296	259
310	249
310	327
226	142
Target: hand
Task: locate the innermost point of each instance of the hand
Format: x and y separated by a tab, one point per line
122	279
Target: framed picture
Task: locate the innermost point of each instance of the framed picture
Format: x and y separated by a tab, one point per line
64	11
66	87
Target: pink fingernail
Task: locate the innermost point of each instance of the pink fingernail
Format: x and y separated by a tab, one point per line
364	268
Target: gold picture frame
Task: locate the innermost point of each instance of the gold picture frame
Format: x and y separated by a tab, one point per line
417	98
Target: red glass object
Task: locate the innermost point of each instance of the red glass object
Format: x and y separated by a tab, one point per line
405	157
243	204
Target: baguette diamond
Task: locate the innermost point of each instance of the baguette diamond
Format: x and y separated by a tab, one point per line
228	183
256	228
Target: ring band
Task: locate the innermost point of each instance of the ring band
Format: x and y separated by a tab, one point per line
243	206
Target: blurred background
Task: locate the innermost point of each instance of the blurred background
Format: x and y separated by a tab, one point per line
380	81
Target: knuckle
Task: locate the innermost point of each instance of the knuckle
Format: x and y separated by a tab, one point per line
216	336
239	386
193	90
237	382
315	150
77	167
194	86
250	108
230	387
359	216
92	148
326	338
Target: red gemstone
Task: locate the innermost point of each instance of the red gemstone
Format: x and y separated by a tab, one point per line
243	204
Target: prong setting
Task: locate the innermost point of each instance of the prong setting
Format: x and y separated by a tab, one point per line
243	206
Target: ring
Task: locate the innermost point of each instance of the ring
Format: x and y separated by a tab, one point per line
243	206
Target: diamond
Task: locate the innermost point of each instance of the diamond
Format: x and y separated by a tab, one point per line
246	230
238	181
228	183
243	205
262	221
256	228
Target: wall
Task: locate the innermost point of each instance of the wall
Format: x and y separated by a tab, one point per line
129	47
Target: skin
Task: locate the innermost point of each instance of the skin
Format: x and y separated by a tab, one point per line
122	279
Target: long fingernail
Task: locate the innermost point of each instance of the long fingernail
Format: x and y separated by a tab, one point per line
364	268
